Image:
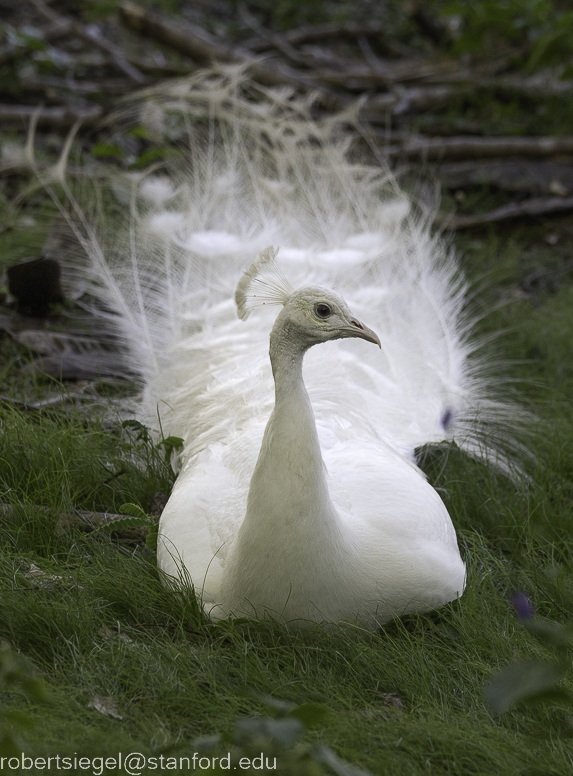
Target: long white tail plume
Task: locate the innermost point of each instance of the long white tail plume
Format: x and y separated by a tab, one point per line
253	169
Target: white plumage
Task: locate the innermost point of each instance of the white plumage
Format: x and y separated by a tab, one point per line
335	521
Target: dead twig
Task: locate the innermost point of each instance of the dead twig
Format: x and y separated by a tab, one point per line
376	65
17	167
91	35
530	207
39	406
431	149
402	100
86	521
83	88
349	30
61	116
387	73
278	42
306	34
58	29
92	521
537	177
542	85
195	42
98	59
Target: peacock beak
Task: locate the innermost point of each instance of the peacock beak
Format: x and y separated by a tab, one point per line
360	330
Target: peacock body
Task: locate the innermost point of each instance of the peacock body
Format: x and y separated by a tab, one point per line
298	497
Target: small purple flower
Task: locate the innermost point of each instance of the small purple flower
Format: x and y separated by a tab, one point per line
523	605
447	418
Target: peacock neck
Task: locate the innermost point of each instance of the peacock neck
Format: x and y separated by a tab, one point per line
286	353
291	437
289	491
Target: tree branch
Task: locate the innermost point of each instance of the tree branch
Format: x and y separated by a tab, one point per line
530	207
436	149
64	116
198	44
91	36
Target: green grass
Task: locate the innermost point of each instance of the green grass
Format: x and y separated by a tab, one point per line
407	701
176	677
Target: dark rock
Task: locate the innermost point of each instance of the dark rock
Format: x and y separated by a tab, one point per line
36	286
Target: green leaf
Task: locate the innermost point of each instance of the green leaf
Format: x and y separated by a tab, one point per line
125	524
104	151
151	538
170	445
550	633
154	155
34	44
134	510
142	431
139	132
521	682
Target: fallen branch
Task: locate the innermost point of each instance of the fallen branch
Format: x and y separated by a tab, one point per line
439	75
329	31
536	177
87	522
64	116
58	29
370	56
278	42
198	44
530	207
83	88
19	167
91	35
401	100
322	32
39	406
99	59
430	149
544	84
388	72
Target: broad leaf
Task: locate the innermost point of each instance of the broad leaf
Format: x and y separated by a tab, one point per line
520	682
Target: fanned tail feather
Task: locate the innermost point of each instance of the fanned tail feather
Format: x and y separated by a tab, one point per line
255	170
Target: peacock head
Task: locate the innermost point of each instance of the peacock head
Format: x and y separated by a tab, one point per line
311	314
319	315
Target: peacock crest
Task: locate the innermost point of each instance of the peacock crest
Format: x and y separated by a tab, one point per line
263	283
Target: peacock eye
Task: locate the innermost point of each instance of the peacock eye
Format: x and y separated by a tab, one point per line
323	310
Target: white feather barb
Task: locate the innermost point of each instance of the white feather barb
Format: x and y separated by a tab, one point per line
262	283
